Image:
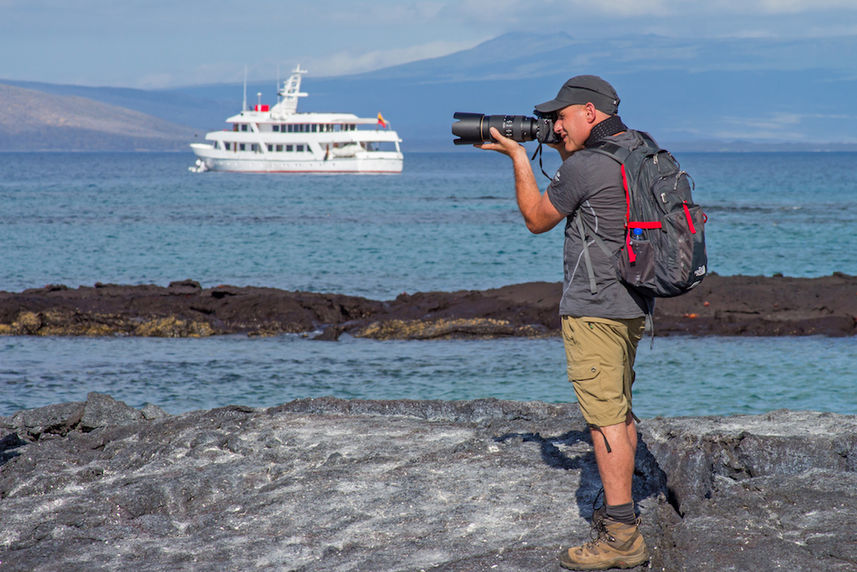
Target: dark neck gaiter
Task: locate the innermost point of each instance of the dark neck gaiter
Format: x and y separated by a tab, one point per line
610	126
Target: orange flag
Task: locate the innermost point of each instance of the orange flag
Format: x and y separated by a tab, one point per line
381	120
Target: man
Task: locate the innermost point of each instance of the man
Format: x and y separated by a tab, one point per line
602	318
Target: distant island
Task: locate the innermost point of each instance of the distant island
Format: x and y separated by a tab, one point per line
33	120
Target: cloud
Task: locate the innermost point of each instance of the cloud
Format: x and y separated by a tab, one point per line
348	62
801	6
781	126
150	43
581	11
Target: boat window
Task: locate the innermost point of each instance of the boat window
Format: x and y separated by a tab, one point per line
227	146
276	127
241	147
299	148
314	128
243	127
270	147
234	127
254	147
290	148
279	148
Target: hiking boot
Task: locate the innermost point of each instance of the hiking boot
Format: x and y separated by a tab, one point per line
616	545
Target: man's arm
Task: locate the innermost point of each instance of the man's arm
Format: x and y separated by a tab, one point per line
539	213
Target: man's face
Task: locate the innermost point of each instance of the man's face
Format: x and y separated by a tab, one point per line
573	124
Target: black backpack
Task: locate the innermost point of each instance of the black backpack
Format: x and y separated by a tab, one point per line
666	257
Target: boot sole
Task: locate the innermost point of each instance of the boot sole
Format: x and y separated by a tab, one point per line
631	562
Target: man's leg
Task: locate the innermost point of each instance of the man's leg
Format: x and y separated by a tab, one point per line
616	467
619	542
600	365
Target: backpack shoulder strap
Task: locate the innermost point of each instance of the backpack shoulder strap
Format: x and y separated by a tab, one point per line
616	152
619	153
587	260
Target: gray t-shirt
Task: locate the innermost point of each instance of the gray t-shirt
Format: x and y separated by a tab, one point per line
592	183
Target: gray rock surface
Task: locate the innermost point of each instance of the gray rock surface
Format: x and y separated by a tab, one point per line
329	484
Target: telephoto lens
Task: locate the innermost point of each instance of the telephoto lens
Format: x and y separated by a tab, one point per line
473	128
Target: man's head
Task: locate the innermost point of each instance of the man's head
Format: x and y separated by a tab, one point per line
582	89
582	102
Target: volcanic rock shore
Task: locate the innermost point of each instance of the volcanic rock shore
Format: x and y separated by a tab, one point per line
721	305
484	485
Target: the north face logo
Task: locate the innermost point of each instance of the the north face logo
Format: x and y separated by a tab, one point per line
699	271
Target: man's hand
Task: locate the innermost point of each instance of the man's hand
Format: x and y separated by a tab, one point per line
504	145
510	147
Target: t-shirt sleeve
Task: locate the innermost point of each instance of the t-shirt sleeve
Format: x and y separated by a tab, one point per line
568	187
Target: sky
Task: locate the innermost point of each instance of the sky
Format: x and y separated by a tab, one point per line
152	44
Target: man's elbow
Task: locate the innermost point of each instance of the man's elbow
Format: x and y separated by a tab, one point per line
538	227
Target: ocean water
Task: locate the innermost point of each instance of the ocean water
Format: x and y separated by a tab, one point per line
448	222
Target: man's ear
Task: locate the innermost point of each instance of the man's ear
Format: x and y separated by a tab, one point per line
591	112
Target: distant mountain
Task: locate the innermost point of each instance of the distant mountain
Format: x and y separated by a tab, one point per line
756	92
33	120
701	94
526	56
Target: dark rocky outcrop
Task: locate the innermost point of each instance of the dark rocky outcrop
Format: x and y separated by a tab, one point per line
329	484
735	305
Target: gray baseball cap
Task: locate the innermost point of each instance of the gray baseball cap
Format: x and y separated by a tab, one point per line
583	89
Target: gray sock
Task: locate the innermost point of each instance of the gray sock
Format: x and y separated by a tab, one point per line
622	512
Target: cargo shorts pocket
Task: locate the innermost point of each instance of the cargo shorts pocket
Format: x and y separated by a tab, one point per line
600	404
583	371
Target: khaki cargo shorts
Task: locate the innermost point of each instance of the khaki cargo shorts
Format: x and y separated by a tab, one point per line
600	354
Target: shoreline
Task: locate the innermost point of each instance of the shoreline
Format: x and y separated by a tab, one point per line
720	306
407	485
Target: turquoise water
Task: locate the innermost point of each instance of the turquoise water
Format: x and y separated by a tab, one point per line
449	222
678	376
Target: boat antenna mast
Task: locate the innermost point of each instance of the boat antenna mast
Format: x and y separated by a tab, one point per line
244	104
290	93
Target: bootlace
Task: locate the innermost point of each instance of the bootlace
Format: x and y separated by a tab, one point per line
595	500
597	533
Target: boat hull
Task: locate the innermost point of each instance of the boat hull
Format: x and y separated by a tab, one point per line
234	162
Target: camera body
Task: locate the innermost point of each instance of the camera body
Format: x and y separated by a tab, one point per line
473	128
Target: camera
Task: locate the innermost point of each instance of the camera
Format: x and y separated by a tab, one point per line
472	128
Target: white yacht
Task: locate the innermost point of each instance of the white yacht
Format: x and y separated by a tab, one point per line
278	139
